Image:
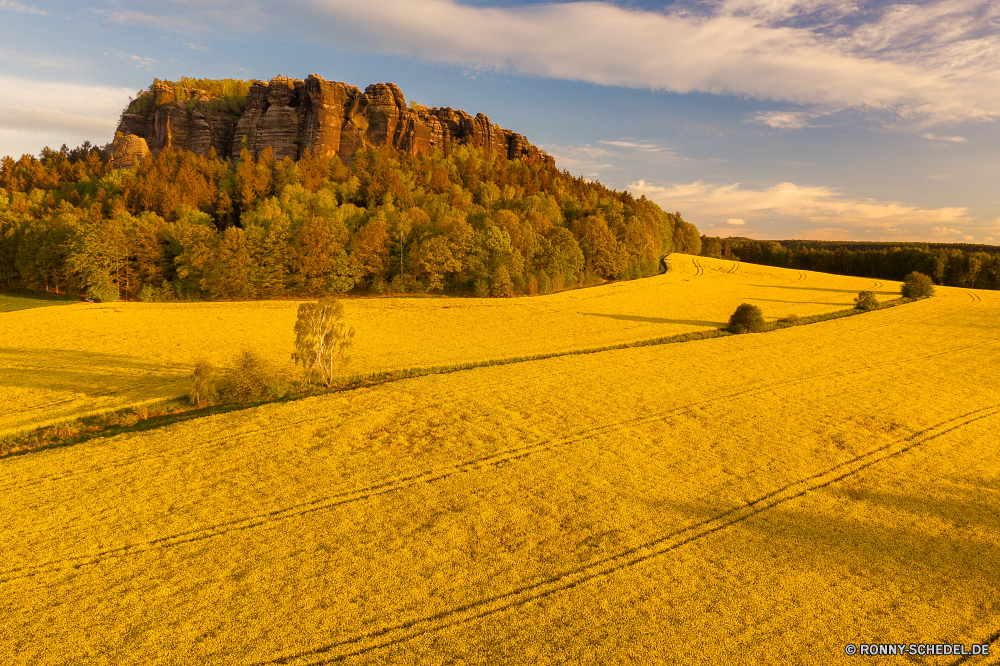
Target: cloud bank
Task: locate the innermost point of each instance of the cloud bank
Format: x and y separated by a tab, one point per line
938	61
831	214
63	109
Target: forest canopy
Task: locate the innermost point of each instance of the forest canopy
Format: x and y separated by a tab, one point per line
951	264
184	226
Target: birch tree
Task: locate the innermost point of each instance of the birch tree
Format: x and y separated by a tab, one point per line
321	339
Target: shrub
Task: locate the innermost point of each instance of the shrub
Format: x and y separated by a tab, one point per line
866	301
917	285
250	379
149	294
103	292
790	319
747	319
203	391
481	288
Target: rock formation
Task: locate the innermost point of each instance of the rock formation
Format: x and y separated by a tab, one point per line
291	116
126	149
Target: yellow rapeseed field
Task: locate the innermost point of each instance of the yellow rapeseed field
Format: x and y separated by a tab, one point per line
751	499
87	358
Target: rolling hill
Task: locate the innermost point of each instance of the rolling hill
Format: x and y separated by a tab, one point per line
752	499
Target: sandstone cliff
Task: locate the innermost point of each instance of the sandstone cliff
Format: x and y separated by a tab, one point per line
291	116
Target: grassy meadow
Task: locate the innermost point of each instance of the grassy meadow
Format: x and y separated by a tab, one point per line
64	363
750	499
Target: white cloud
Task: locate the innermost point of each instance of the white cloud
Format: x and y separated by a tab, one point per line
21	9
939	61
725	53
813	210
143	62
65	109
643	146
586	160
734	222
935	137
784	119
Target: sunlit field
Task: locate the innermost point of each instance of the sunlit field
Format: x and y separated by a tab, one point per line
751	499
87	358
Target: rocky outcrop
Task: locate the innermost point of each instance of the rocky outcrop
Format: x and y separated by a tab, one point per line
126	150
291	116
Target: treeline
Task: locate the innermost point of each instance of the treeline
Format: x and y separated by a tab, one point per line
955	265
184	226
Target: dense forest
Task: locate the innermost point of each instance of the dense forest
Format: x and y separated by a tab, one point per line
183	226
955	265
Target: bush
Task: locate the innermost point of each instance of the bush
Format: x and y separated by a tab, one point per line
747	319
203	391
103	292
866	301
149	294
790	319
917	285
250	379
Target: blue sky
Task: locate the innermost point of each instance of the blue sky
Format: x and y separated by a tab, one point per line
838	119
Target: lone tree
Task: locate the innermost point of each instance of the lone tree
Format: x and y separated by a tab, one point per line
917	285
321	339
203	391
866	301
747	319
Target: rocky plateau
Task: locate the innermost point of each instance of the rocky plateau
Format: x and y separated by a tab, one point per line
291	116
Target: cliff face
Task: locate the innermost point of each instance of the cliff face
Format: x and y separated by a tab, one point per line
291	116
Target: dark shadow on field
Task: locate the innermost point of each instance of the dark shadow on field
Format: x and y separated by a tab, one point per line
90	373
18	302
775	300
657	320
947	560
838	291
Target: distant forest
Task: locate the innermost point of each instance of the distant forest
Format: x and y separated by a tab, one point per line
183	226
952	264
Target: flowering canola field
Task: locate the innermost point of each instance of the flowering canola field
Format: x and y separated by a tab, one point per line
750	499
75	360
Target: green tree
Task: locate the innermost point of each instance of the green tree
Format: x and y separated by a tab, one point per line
747	319
203	392
232	276
866	301
321	339
917	285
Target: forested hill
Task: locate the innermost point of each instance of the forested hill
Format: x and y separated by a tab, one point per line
952	264
181	225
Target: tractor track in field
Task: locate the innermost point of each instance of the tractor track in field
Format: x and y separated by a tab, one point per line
876	284
391	485
736	267
698	272
990	640
203	444
976	298
802	276
286	426
221	440
389	636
